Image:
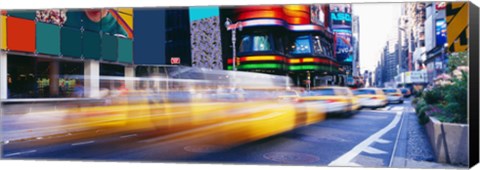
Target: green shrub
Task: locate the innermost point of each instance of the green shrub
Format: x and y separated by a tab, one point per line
435	96
455	107
415	100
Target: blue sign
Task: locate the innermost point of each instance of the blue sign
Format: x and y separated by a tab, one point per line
440	32
341	20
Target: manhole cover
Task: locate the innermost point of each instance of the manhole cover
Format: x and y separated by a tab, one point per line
291	157
203	148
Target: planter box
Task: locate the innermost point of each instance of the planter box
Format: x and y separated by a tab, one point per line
449	141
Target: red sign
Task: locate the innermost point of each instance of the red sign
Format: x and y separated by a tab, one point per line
175	60
440	5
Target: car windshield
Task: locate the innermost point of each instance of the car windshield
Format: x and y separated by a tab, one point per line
323	92
389	90
364	91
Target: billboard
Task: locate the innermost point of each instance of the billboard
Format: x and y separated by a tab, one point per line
344	45
318	14
440	32
117	21
341	20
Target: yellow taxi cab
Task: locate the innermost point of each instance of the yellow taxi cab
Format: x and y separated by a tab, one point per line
371	97
393	95
336	100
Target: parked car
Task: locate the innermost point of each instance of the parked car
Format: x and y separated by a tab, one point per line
371	98
393	95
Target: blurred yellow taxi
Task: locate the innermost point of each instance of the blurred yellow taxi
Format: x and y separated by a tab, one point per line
393	95
336	100
371	97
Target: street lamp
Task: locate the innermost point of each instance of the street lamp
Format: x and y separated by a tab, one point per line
233	27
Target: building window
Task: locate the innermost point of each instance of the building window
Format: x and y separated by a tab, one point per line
301	45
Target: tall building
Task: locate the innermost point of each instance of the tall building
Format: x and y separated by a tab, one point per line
356	44
414	32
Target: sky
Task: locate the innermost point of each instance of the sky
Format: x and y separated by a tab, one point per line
378	24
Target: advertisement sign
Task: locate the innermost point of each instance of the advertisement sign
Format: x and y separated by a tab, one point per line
317	15
344	46
418	76
345	8
440	32
341	20
118	21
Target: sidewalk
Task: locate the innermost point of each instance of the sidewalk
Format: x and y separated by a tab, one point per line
414	149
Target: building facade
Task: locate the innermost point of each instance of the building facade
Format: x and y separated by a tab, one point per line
293	40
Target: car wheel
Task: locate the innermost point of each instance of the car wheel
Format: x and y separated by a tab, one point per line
401	102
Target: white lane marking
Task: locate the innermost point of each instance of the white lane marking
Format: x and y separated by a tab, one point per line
19	153
83	143
380	111
372	150
397	108
348	156
128	136
383	141
396	142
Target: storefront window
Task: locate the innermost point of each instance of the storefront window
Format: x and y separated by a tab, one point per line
30	77
301	45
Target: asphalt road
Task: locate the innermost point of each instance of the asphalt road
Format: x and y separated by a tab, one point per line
368	138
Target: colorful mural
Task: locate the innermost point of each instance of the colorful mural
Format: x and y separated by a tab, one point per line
70	33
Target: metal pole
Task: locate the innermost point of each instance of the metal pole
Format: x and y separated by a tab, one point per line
234	49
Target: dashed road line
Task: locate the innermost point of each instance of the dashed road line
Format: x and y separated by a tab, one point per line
83	143
19	153
346	158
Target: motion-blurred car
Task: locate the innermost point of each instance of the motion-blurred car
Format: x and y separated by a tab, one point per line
393	95
289	96
406	92
371	97
336	100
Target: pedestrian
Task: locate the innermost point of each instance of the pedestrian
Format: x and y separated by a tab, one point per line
78	90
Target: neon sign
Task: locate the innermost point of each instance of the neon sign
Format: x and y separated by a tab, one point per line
341	17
